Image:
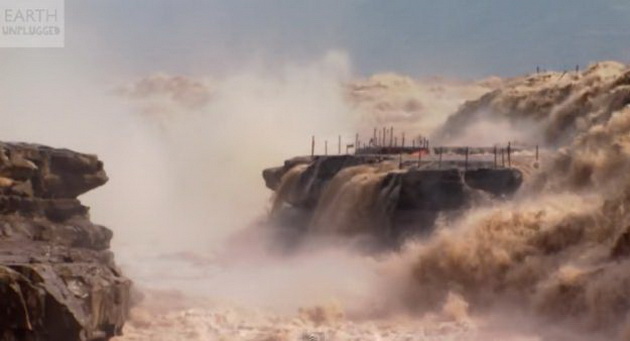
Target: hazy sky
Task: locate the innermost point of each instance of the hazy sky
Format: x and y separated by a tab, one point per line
469	38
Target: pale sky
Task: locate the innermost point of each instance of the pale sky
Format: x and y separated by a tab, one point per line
462	38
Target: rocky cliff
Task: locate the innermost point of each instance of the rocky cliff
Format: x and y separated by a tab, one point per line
58	280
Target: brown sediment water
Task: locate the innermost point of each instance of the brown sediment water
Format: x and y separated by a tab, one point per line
349	204
287	186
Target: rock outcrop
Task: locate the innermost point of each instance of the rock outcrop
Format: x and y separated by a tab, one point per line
58	280
378	194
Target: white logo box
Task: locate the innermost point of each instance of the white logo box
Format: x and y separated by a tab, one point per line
32	23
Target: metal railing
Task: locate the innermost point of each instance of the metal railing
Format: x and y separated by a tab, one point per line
383	142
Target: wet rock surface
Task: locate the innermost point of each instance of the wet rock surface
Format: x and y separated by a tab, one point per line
58	279
406	201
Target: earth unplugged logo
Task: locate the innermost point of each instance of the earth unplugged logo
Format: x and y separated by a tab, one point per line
32	23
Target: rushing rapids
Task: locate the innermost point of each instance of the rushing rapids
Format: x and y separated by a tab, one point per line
543	257
558	250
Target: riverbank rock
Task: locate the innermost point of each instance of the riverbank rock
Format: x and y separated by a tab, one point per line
58	279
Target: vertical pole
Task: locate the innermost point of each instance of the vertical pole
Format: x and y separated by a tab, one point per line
339	145
509	150
312	145
502	158
536	153
384	136
391	136
466	160
326	147
403	140
374	141
356	143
